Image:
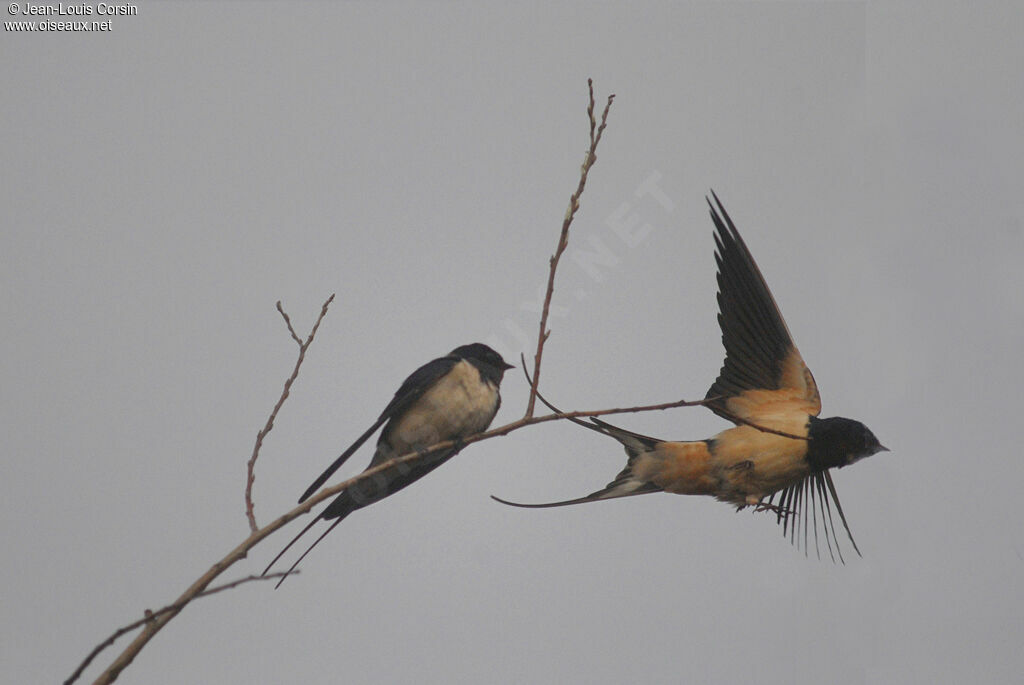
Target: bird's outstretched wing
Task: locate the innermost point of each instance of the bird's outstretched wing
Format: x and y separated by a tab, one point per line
418	382
762	365
762	368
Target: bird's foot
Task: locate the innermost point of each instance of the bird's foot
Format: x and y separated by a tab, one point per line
766	506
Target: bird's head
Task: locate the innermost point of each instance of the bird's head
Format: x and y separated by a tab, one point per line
481	355
840	442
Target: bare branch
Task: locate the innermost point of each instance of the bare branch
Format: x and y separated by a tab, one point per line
150	615
288	323
303	346
563	238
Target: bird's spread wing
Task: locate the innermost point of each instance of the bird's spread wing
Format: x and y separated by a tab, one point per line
762	365
411	390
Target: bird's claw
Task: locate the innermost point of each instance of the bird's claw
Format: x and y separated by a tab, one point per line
766	506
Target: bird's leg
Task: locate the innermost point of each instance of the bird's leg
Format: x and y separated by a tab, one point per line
757	501
767	506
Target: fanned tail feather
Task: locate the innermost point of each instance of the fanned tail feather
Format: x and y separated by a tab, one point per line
798	511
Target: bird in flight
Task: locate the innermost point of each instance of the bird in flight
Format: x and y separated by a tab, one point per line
449	398
779	447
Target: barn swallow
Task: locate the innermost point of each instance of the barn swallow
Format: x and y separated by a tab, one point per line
779	447
449	398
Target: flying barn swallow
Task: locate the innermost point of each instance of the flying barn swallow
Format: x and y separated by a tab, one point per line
763	384
449	398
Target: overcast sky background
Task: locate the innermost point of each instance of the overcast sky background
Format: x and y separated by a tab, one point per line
166	182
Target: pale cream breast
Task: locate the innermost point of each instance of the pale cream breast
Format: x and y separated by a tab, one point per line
459	404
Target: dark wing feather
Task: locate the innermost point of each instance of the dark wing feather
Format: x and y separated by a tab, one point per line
418	382
759	351
383	484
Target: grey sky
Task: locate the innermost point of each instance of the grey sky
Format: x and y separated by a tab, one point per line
166	182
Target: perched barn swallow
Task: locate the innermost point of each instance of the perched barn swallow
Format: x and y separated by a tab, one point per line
779	446
449	398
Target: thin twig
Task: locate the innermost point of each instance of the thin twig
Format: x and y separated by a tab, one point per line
150	615
250	512
563	238
288	323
